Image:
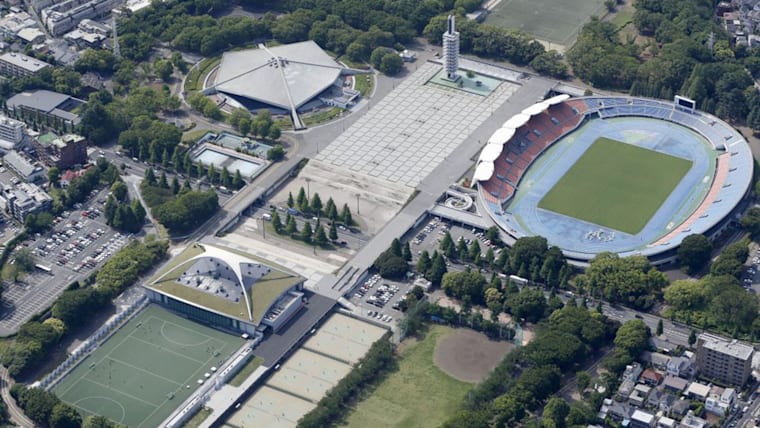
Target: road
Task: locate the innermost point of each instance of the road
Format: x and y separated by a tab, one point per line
672	334
17	415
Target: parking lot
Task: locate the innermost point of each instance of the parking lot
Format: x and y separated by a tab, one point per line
429	235
751	278
78	243
378	298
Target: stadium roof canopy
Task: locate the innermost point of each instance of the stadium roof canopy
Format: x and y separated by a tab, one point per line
286	76
491	152
484	171
501	136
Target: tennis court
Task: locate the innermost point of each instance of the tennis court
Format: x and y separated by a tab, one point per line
145	370
557	21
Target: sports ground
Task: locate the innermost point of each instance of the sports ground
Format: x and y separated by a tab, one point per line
145	370
419	393
556	21
616	185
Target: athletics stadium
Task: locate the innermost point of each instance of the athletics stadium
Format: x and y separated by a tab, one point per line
625	175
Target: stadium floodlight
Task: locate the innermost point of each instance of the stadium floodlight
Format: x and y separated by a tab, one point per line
535	109
516	121
501	136
491	152
484	171
557	99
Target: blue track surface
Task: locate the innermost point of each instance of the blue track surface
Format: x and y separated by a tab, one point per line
523	215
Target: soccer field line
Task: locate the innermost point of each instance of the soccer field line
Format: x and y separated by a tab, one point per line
183	328
194	375
118	391
147	371
167	350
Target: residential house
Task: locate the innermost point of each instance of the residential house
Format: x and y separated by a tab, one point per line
639	395
675	384
630	377
666	422
660	401
698	391
642	419
691	421
655	360
650	377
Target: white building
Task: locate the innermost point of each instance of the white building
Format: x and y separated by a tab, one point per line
451	50
22	167
24	199
11	133
62	17
19	65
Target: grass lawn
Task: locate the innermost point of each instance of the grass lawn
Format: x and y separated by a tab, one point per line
419	394
194	81
193	136
616	185
364	83
246	371
322	116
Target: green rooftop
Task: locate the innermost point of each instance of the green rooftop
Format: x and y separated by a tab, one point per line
262	294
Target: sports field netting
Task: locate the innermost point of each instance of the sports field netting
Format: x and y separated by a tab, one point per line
616	185
557	21
142	373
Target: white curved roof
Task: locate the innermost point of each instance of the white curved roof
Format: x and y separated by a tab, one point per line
536	108
491	152
516	121
557	99
501	136
484	171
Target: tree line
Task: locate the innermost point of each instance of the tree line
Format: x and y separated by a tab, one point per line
79	303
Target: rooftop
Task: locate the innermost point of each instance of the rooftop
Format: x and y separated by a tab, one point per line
259	292
284	76
732	348
42	100
24	61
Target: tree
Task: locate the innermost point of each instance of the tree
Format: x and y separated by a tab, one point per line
163	69
555	411
391	64
528	304
333	233
38	404
692	338
437	269
583	380
98	422
346	216
119	190
25	259
406	252
658	332
320	237
395	248
423	263
751	221
276	222
629	280
694	253
65	416
277	152
54	175
316	204
632	338
291	228
175	186
391	266
302	201
331	211
291	203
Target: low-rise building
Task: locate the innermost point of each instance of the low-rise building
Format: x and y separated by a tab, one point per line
12	23
720	400
642	419
23	199
14	64
660	401
21	166
666	422
46	107
69	175
698	391
675	384
62	16
727	362
628	383
692	421
62	152
650	377
655	359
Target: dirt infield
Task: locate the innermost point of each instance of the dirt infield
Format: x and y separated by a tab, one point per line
469	356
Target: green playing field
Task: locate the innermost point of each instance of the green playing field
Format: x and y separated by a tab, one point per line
616	185
142	373
557	21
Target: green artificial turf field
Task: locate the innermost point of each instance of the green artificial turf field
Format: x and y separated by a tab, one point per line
142	372
616	185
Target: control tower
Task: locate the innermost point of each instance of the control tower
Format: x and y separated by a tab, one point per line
451	50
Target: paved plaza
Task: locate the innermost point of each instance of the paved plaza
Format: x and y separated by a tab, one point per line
412	130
